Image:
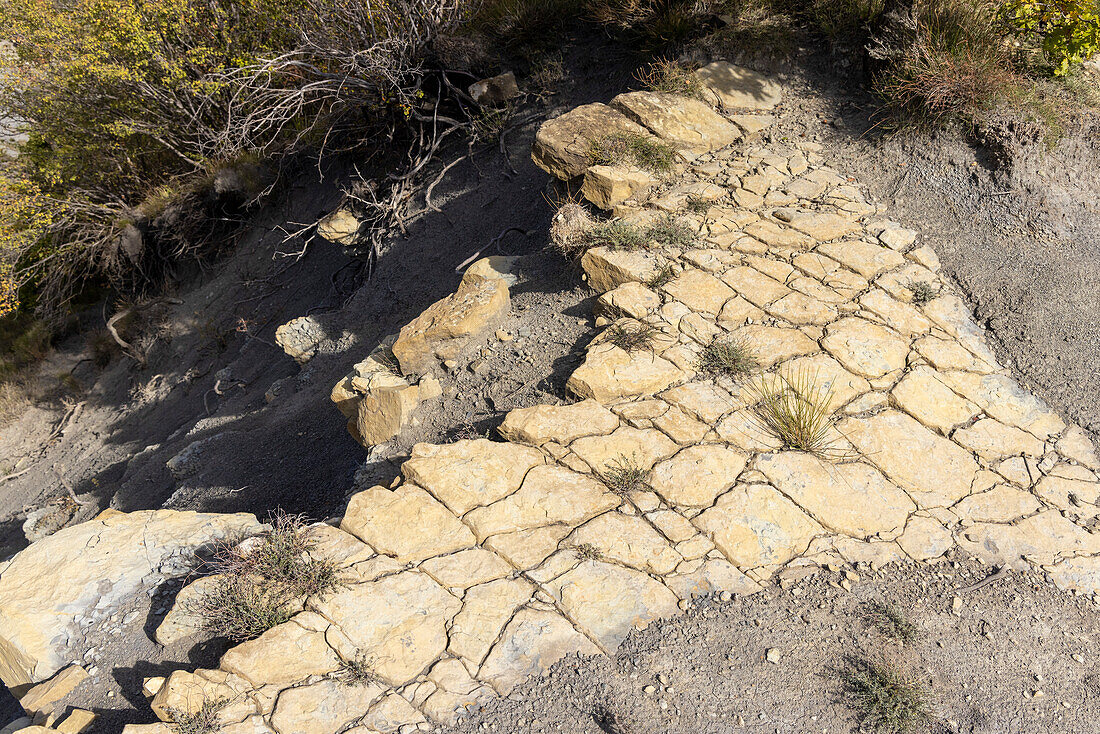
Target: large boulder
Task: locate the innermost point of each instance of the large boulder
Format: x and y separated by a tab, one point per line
739	88
682	121
84	571
563	146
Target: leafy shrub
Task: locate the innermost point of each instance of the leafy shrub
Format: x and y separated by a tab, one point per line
1068	31
644	151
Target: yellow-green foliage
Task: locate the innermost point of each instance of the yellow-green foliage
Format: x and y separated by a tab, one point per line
1068	31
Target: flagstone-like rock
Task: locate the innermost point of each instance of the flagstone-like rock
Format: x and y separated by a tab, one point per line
466	568
399	622
406	523
471	473
1002	503
610	373
849	498
932	469
773	344
630	540
925	539
826	375
609	186
1044	538
822	226
639	448
323	707
485	611
532	642
682	121
994	441
866	259
563	145
866	348
739	88
1001	397
700	291
923	395
755	525
1078	495
186	692
290	652
697	475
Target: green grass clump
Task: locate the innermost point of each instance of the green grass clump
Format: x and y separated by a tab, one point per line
884	700
922	291
729	358
796	413
632	338
643	151
669	231
662	277
890	621
623	475
614	234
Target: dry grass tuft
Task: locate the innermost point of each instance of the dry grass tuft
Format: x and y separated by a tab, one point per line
884	700
664	275
729	358
204	720
359	671
643	151
796	413
624	475
569	228
632	338
14	400
587	552
890	621
670	77
669	231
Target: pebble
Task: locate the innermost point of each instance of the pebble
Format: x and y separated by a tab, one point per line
650	689
772	655
956	605
1078	657
662	679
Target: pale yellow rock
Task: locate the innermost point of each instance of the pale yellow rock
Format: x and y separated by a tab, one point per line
642	448
705	400
632	299
739	88
526	549
607	269
826	375
775	235
822	226
1076	445
754	286
801	309
737	312
925	538
158	728
816	290
866	348
876	554
673	525
999	504
901	317
697	475
743	430
923	395
78	721
563	145
850	498
699	291
281	656
1080	574
1002	398
681	427
384	411
399	622
393	714
951	314
946	354
773	344
447	327
561	423
184	619
1040	538
995	441
608	601
682	121
713	575
866	259
187	693
485	611
42	697
470	473
610	373
755	525
406	523
640	413
46	586
466	568
550	495
752	124
629	540
323	707
532	642
1075	496
932	469
341	227
609	186
335	545
1020	470
150	686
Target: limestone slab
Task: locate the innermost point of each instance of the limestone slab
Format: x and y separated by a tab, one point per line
682	121
866	348
923	395
485	611
470	473
610	373
406	523
739	88
630	540
755	525
533	641
697	475
563	145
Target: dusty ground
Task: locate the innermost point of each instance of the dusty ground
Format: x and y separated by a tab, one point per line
707	672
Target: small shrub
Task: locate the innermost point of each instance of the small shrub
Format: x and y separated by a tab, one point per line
729	358
241	608
662	277
643	151
1067	31
922	291
623	475
204	720
670	77
14	400
698	205
284	557
587	552
889	620
615	234
796	413
884	700
569	229
359	671
632	338
669	231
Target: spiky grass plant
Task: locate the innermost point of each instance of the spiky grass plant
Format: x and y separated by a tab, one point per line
623	475
729	358
632	338
922	291
358	671
662	277
669	231
204	720
698	205
644	151
885	700
614	234
671	77
796	412
890	621
587	552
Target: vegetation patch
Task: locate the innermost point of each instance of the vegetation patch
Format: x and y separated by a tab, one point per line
884	700
670	231
623	475
644	151
614	234
796	412
203	720
636	336
358	671
724	357
662	277
890	621
922	291
587	552
671	77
